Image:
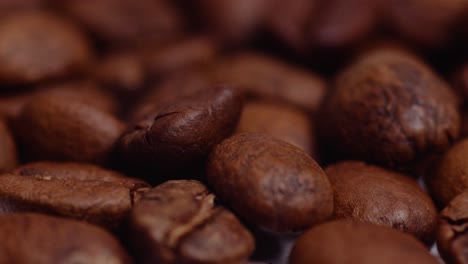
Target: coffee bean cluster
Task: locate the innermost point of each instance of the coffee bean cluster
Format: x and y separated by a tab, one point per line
221	131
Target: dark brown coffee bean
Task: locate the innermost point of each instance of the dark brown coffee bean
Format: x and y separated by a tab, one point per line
372	194
391	109
122	22
290	21
178	55
179	136
74	190
338	24
233	22
280	121
66	130
11	6
178	222
8	154
460	83
36	45
121	72
266	78
355	242
282	187
464	127
448	179
11	105
87	92
178	86
427	23
84	91
41	239
452	240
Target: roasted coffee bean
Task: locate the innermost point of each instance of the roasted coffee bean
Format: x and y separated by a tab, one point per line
81	191
355	242
41	239
37	45
266	78
180	136
84	91
66	130
121	72
8	153
464	127
176	56
178	222
430	24
448	179
179	86
452	239
11	6
372	194
391	109
460	83
283	188
126	23
232	22
290	21
11	105
339	24
280	121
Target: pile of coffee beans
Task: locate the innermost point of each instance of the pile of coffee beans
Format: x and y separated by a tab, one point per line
221	131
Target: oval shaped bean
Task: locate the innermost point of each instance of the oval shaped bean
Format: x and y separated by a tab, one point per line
269	182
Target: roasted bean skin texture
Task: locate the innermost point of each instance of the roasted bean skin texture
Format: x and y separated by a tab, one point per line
451	235
8	155
389	108
81	132
37	46
358	243
282	187
449	178
363	192
178	222
280	121
74	190
36	238
179	136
